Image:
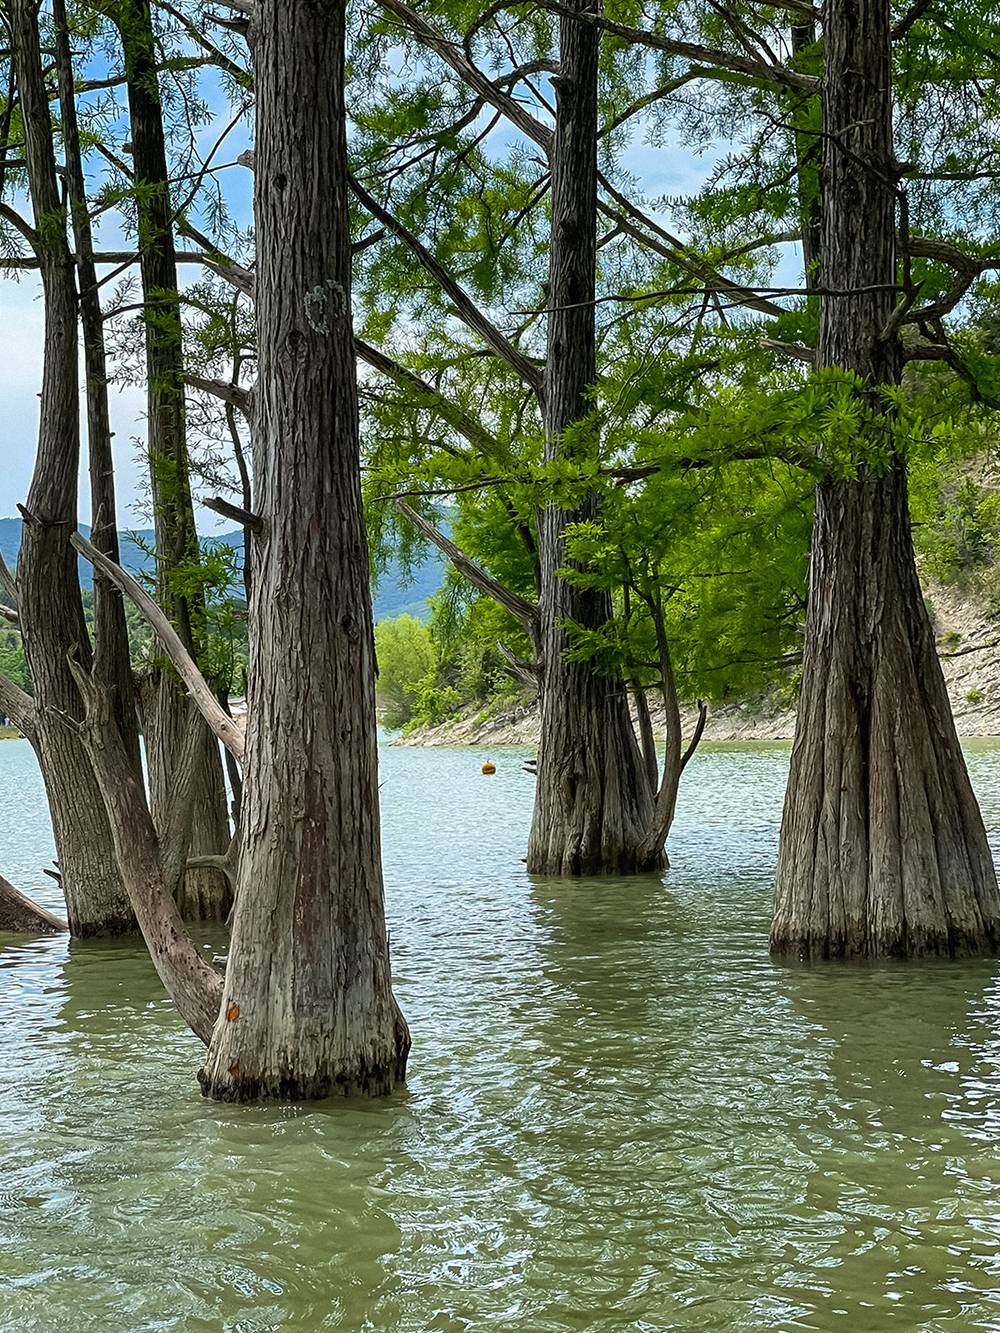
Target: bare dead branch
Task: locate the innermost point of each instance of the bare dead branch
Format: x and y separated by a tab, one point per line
525	612
227	730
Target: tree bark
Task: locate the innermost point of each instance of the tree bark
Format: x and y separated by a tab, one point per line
148	864
308	1009
112	656
593	801
173	510
883	849
21	916
50	605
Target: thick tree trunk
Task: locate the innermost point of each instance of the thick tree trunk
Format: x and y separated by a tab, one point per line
883	850
49	590
308	1009
593	802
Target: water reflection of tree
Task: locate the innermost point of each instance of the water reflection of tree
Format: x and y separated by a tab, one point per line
661	1137
886	1232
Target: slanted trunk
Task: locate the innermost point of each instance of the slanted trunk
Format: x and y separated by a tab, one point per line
593	801
308	1009
50	606
883	849
21	916
206	892
151	862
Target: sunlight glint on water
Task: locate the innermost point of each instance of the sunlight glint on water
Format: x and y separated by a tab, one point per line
621	1114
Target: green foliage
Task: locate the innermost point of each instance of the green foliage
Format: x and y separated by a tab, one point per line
405	661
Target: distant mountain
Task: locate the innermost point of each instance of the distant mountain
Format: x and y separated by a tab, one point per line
396	594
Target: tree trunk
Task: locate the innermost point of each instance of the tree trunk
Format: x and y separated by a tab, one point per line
206	892
150	865
883	849
647	740
21	916
112	656
593	801
49	589
308	1009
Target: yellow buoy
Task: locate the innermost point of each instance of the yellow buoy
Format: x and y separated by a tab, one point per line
489	767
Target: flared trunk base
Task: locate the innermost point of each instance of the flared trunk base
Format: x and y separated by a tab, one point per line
883	848
225	1079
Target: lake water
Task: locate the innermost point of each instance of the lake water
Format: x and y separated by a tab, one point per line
621	1115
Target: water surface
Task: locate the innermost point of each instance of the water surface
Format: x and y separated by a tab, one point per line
621	1114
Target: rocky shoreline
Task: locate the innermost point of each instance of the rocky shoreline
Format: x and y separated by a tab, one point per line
968	645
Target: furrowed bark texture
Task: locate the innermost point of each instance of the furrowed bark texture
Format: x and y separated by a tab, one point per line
883	849
206	893
308	1009
593	802
49	590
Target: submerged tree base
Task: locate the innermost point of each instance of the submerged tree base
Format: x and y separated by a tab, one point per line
205	895
362	1077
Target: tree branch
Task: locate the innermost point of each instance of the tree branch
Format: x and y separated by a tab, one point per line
525	612
758	70
452	55
235	512
466	308
234	394
21	915
223	726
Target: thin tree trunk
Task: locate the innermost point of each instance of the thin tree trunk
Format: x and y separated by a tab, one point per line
48	583
883	849
308	1008
112	657
647	740
808	157
207	893
593	800
665	804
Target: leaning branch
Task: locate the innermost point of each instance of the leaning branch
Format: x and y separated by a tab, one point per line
24	917
760	71
465	307
453	56
224	727
525	612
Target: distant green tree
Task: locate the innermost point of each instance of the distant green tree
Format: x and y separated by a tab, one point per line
405	659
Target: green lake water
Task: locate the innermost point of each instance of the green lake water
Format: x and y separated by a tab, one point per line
621	1115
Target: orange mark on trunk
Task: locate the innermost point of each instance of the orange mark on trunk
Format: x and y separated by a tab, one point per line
232	1012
